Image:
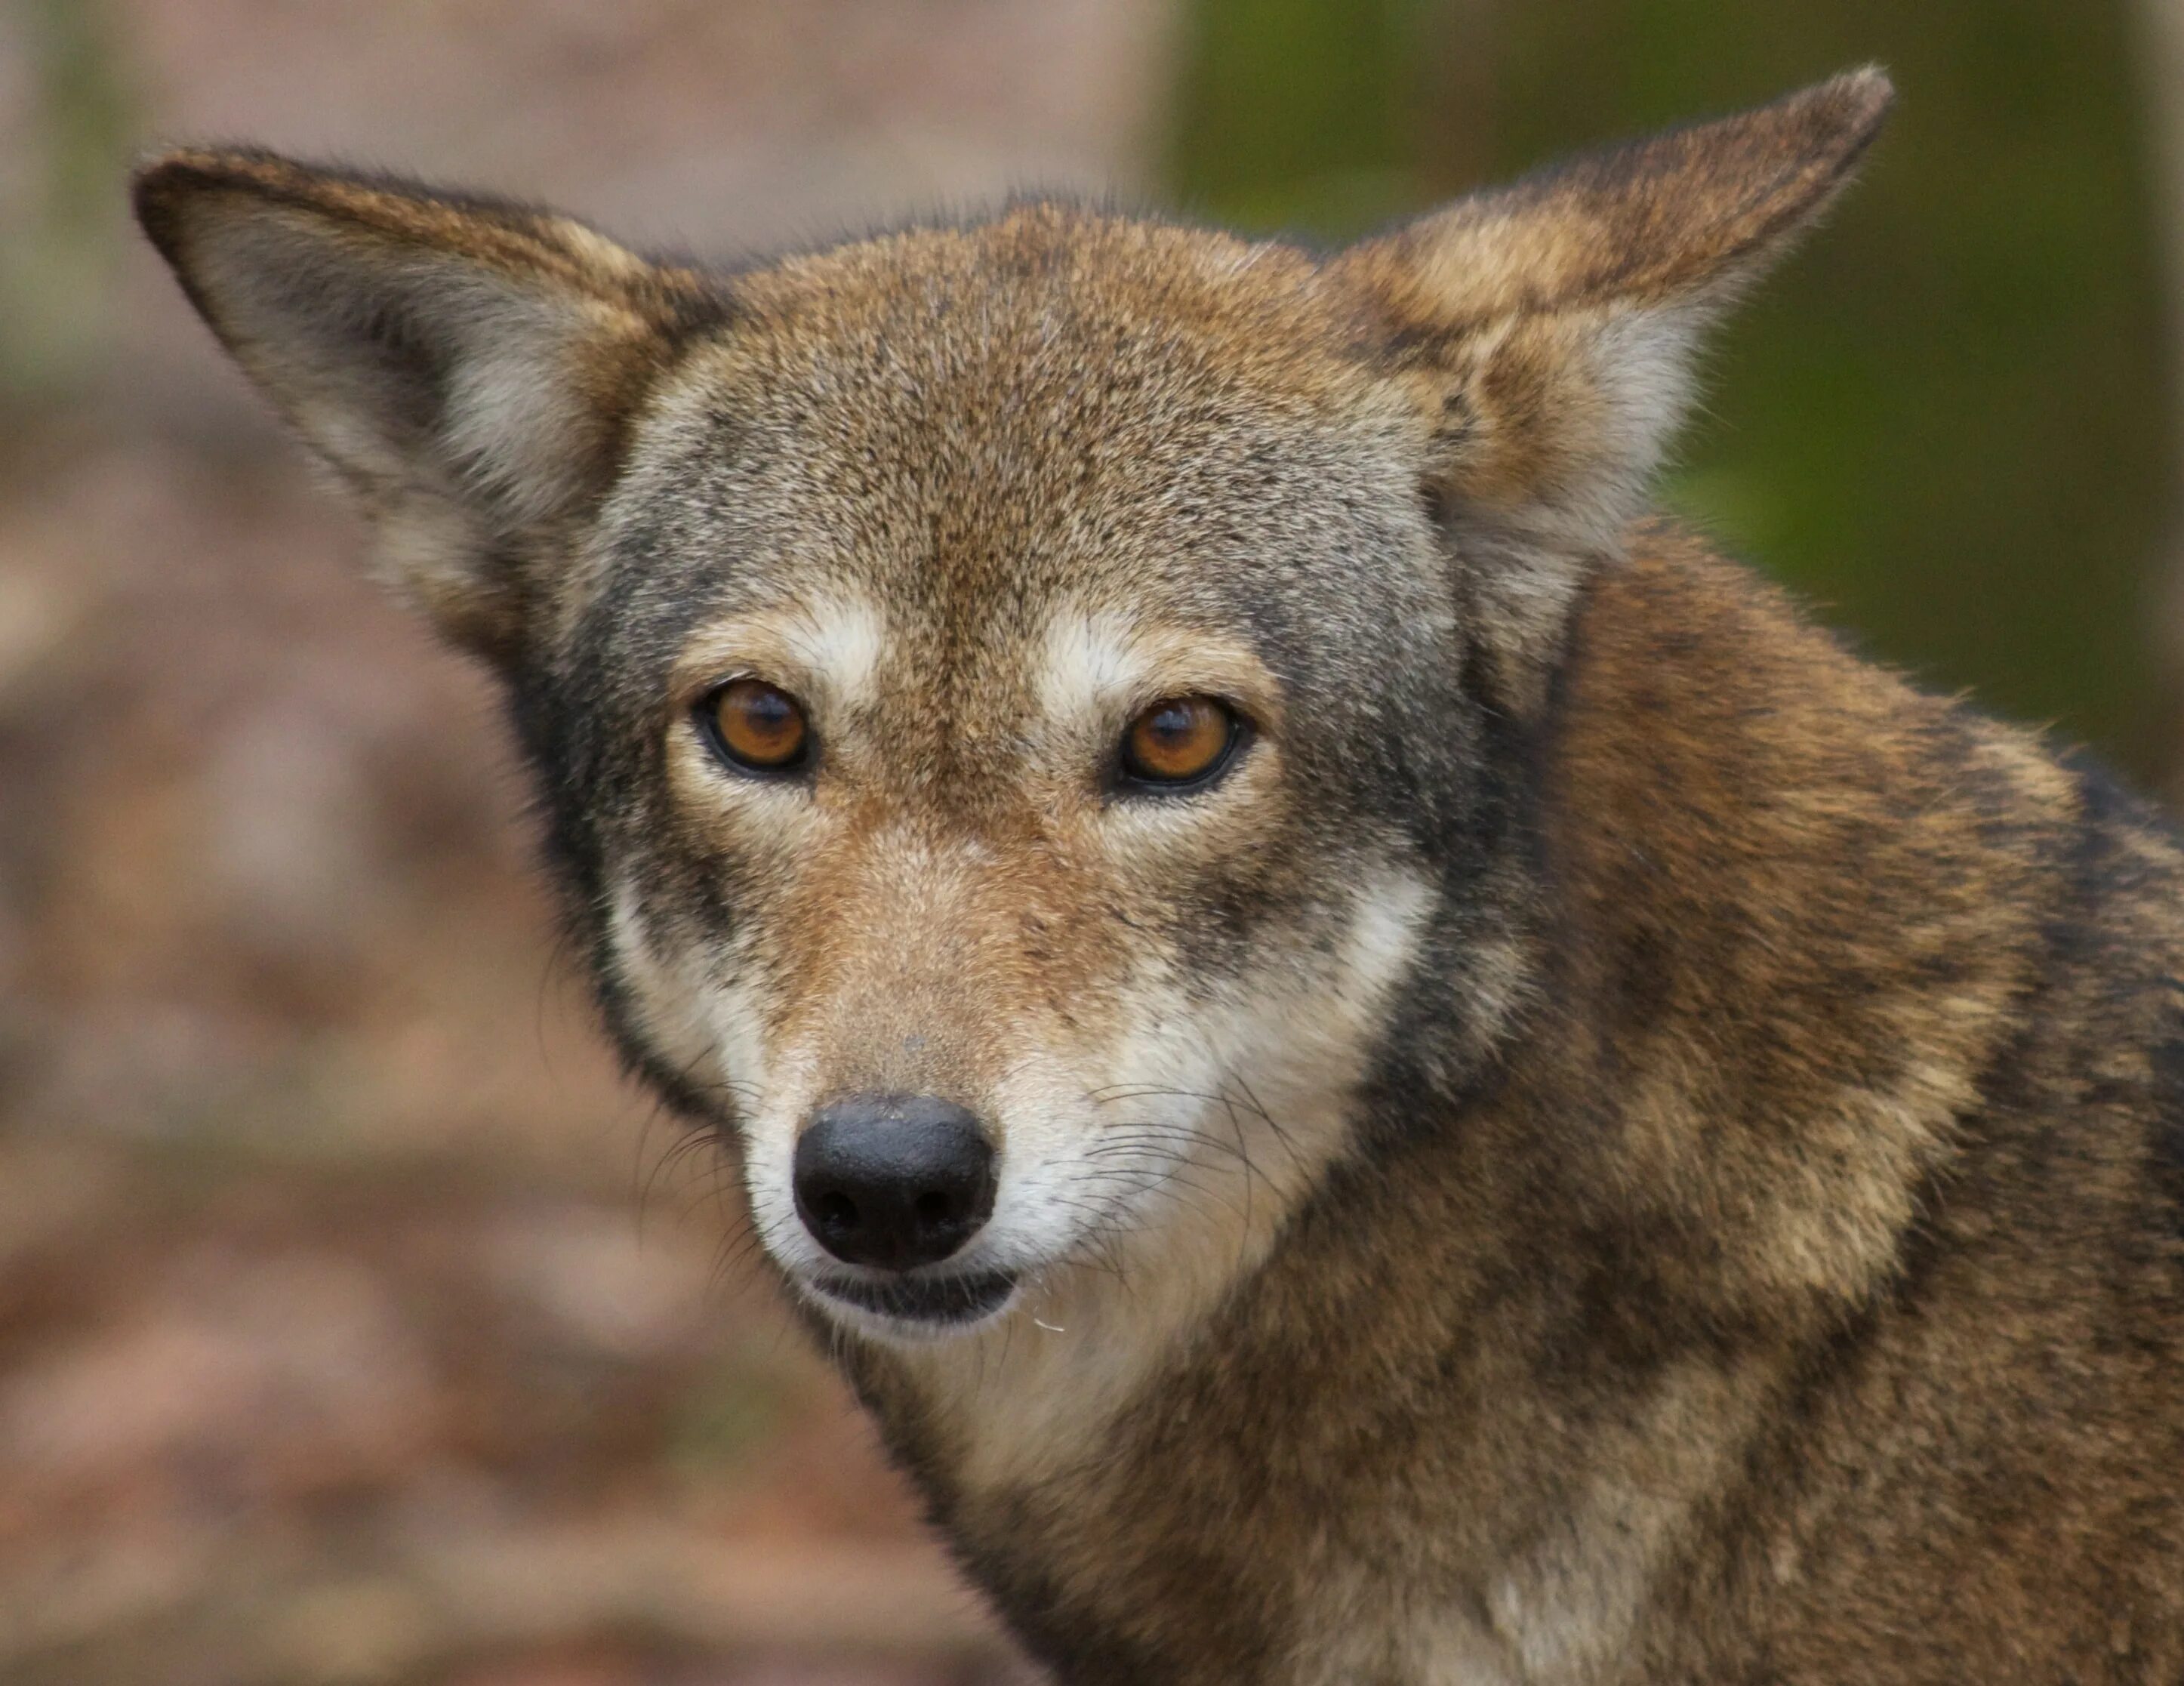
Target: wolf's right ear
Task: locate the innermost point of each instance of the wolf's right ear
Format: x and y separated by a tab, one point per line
465	368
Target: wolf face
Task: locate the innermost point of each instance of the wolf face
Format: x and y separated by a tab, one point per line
1021	706
1021	538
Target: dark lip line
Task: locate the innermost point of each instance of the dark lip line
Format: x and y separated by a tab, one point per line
945	1299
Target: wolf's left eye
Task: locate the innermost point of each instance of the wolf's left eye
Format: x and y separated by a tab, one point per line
757	726
1179	742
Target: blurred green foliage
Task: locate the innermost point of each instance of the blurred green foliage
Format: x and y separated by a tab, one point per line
56	271
1946	419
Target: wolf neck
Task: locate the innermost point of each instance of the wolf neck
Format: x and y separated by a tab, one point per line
1776	925
1792	901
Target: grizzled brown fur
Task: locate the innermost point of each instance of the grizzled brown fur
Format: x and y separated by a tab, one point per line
1613	1143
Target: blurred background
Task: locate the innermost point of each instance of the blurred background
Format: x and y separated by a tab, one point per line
356	1324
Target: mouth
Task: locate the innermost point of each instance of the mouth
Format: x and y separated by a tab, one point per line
932	1303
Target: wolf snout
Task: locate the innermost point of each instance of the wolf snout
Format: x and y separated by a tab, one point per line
894	1181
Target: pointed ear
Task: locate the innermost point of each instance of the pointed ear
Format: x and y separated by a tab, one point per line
1542	335
464	367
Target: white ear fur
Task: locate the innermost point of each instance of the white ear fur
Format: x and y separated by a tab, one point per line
461	365
1545	335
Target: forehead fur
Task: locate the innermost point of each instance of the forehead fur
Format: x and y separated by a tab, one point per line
1054	264
977	423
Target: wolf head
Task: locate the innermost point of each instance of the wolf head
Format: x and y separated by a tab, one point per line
1031	713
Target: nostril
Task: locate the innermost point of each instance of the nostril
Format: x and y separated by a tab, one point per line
934	1209
837	1211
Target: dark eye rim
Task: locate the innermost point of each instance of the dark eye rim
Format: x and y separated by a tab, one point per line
1241	734
705	715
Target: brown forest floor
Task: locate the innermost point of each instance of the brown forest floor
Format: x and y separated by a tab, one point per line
358	1323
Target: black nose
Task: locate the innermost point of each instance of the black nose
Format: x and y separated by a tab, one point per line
895	1181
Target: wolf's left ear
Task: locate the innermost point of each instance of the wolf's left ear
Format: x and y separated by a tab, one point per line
464	367
1545	333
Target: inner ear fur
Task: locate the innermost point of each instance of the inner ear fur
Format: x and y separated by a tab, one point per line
464	367
1543	335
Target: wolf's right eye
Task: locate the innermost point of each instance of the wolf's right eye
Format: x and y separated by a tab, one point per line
757	726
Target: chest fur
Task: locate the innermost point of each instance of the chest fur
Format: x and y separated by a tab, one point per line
1219	1511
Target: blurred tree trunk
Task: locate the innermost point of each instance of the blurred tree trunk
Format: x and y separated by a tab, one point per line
2161	27
57	262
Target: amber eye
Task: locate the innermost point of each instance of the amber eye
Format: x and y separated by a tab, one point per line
1179	740
757	726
